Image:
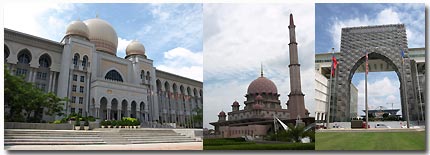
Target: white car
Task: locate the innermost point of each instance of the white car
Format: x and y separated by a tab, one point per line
382	126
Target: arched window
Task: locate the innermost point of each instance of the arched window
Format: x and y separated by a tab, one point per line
142	74
75	59
84	61
148	77
6	52
24	57
114	75
45	61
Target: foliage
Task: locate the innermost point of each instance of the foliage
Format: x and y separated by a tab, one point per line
198	118
77	123
57	122
103	123
293	134
22	97
232	144
86	122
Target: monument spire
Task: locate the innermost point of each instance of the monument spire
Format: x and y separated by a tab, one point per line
296	97
261	69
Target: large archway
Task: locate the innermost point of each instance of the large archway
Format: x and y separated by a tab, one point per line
380	42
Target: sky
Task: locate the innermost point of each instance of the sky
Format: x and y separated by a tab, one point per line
171	33
331	18
239	37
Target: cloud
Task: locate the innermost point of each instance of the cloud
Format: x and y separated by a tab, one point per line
182	61
410	15
39	18
380	93
238	37
122	45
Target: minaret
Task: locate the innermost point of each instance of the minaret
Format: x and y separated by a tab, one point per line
296	104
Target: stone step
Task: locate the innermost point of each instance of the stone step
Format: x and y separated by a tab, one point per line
52	140
175	137
160	141
53	143
48	137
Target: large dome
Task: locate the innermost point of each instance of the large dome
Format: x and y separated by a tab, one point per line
102	35
135	48
262	85
78	28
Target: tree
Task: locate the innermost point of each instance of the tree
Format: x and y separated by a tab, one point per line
198	118
23	98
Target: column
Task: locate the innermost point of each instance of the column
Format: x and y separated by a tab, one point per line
50	81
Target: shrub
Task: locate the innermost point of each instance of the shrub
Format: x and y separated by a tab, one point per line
103	123
108	123
57	122
77	123
86	123
91	119
114	123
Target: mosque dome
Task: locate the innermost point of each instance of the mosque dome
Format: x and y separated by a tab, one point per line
262	85
235	103
135	48
102	34
77	28
222	113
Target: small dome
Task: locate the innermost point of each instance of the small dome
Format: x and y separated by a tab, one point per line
262	85
135	48
78	28
235	103
259	98
102	35
256	107
222	113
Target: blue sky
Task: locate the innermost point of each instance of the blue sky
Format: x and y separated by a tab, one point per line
171	33
330	18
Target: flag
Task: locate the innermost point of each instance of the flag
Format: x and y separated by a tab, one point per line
403	55
367	63
333	65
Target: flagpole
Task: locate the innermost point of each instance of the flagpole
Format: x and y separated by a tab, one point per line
365	91
329	94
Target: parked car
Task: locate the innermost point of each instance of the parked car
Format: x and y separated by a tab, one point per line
379	125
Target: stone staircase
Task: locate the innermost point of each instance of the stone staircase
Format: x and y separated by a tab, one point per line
94	137
140	136
51	137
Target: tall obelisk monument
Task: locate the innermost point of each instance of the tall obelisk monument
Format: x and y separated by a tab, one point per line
296	102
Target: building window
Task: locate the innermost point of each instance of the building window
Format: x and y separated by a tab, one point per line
74	88
84	61
75	59
81	89
81	100
72	110
41	75
20	71
142	74
114	75
82	78
24	57
80	111
75	77
45	61
73	99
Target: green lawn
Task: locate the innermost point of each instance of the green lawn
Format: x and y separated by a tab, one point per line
238	144
370	140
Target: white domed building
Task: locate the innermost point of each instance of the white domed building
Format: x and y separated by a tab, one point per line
85	68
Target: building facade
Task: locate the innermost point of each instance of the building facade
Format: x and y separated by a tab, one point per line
416	58
84	67
262	103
